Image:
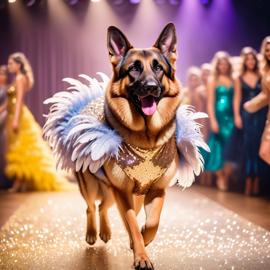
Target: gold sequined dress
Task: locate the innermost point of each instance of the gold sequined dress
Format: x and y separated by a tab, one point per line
260	101
28	156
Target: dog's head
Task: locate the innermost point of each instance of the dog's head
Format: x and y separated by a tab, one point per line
143	77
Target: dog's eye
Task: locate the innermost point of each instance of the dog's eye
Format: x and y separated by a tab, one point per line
135	68
158	68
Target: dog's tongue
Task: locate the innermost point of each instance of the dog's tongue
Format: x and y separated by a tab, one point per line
149	105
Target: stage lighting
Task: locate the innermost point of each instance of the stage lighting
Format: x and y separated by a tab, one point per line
11	1
134	2
95	1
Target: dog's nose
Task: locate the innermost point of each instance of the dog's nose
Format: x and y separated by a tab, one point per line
151	86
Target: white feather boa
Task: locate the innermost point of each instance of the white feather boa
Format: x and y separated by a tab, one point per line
82	142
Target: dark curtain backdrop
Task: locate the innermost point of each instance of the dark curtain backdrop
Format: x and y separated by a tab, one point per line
61	41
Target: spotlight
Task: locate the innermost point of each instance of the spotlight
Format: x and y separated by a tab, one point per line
134	2
11	1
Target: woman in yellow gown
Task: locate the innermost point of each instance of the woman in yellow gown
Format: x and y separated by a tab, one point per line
29	159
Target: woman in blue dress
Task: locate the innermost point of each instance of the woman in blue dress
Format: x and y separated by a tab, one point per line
220	110
247	86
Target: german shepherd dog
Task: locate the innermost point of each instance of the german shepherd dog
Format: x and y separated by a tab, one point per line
140	103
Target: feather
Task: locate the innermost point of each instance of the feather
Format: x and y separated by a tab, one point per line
189	139
79	141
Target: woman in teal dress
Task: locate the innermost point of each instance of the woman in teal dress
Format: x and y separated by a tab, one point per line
220	110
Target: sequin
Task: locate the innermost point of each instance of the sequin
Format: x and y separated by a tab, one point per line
188	237
145	166
95	109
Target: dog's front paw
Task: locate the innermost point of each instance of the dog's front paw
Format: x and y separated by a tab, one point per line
105	234
105	230
142	261
91	237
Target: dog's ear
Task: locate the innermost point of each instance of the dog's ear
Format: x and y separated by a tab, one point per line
166	43
117	44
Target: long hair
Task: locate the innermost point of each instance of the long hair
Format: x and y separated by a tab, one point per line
215	62
244	53
265	62
26	68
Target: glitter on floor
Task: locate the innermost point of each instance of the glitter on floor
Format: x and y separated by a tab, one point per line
48	230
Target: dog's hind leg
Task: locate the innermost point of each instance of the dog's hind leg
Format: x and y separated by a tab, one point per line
88	185
107	200
153	205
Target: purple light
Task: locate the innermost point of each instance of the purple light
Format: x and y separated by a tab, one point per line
160	2
134	2
174	2
205	2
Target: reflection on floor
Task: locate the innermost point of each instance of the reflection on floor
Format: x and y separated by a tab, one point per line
47	232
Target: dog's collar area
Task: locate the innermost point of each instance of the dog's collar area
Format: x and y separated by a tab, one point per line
146	166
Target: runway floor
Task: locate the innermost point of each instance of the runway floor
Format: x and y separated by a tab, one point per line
48	231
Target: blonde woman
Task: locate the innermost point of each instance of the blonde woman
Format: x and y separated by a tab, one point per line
29	160
263	99
220	110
